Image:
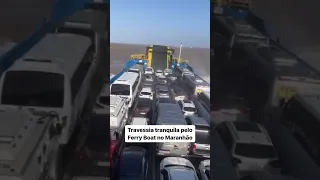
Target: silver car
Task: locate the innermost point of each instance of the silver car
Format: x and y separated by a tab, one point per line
176	168
162	92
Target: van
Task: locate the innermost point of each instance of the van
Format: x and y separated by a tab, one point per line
171	114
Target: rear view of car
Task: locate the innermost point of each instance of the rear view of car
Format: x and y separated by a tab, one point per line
178	93
201	147
143	108
177	168
149	70
173	148
132	164
146	92
162	92
159	73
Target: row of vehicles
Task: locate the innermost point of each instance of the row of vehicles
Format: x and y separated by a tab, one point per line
287	87
161	101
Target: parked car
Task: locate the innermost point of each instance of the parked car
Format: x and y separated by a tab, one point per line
249	145
149	70
158	72
188	108
132	164
201	147
146	92
143	108
162	91
177	168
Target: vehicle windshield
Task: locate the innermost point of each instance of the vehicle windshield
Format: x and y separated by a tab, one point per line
190	109
120	89
33	88
145	93
131	165
255	150
163	91
132	70
182	173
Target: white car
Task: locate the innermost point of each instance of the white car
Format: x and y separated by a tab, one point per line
159	72
188	108
149	78
204	169
177	168
146	92
249	145
149	70
167	72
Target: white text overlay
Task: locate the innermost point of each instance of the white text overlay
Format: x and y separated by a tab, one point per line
159	133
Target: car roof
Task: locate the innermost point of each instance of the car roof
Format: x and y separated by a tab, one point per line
146	89
178	173
134	150
187	103
248	132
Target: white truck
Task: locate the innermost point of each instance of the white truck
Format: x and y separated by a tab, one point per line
118	113
28	144
46	79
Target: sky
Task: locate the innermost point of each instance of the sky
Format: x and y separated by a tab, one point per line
161	22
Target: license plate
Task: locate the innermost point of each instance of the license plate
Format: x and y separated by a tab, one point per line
206	156
103	163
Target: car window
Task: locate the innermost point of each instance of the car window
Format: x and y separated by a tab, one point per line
190	109
145	93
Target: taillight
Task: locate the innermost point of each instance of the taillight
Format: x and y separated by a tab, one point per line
193	147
